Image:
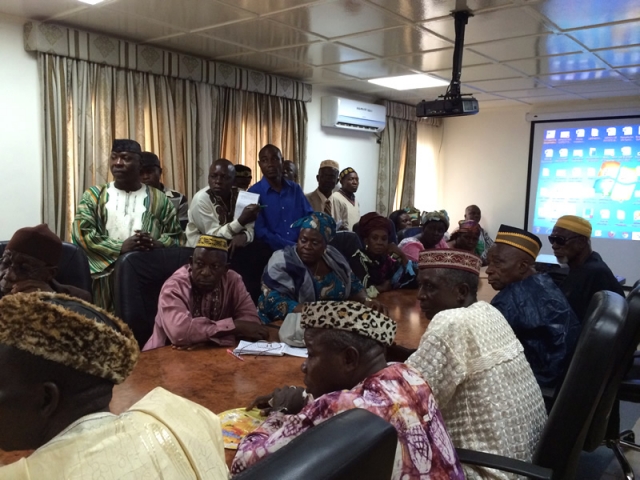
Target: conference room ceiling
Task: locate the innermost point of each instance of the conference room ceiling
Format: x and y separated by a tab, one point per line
516	51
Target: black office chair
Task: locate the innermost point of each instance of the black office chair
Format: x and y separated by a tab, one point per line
409	232
354	445
577	414
73	267
347	243
139	277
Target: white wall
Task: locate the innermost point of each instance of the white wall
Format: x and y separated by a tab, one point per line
20	131
358	150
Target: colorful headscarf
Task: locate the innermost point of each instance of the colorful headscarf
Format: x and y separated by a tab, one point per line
373	221
320	222
346	172
435	216
468	226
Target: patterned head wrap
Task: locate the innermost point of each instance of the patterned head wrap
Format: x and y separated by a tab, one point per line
38	242
520	239
435	216
575	224
346	172
374	221
215	243
69	331
320	222
450	258
351	317
126	145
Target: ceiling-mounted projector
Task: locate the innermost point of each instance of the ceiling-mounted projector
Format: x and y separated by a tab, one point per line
452	103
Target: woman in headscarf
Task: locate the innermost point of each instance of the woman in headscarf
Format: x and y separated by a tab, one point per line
310	271
434	225
376	266
401	220
466	237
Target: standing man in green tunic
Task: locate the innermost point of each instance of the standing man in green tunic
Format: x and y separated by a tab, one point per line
122	216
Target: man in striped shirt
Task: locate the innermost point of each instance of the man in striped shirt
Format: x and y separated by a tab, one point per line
122	216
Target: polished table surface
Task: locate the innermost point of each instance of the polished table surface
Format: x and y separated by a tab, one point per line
213	378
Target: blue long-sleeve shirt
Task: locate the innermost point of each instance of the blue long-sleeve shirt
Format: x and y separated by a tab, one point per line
273	224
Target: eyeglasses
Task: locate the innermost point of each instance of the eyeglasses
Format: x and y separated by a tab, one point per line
560	240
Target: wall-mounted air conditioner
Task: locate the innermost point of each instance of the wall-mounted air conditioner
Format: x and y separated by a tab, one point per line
351	114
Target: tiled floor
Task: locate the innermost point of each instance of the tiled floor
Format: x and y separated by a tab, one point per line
602	464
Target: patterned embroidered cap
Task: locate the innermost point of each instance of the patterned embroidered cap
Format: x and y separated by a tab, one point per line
575	224
209	241
520	239
330	164
242	171
126	145
346	172
450	258
351	317
69	331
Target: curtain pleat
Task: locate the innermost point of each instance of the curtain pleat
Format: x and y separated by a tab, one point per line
187	124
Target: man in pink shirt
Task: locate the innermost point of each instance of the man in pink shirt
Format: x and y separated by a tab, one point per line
204	302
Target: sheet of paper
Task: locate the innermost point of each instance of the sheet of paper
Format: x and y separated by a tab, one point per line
295	351
244	199
259	348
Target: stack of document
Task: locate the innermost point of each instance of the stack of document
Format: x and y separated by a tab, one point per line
265	348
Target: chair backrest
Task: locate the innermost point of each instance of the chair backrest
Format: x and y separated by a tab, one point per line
590	370
408	232
139	277
73	268
603	424
354	445
347	243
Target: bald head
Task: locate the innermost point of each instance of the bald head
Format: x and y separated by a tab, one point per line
221	176
508	265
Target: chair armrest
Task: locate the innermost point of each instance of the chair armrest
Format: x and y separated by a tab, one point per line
505	464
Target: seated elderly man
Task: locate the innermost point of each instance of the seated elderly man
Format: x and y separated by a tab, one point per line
204	302
474	363
60	360
30	263
534	306
588	274
122	216
347	369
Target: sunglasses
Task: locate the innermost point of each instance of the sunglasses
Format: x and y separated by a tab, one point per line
560	240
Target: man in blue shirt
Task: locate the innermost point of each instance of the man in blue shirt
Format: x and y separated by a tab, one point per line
282	201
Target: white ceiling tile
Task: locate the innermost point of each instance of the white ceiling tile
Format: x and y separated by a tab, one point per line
541	91
261	34
264	7
560	79
499	103
337	18
40	9
396	41
484	27
527	47
576	62
315	75
199	45
187	15
569	14
262	61
114	22
613	93
621	57
590	87
418	10
616	35
438	60
631	72
324	53
481	72
552	99
519	83
370	69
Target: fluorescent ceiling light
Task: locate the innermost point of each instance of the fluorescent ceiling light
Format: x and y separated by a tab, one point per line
410	82
91	2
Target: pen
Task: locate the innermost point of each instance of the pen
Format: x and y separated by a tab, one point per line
230	352
264	206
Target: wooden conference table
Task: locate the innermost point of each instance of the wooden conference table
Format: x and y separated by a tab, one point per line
218	381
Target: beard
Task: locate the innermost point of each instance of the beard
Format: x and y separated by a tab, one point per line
562	260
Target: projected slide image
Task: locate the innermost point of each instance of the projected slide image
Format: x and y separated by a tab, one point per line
593	173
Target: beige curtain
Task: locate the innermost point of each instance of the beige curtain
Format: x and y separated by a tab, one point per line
429	168
186	123
251	120
396	166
